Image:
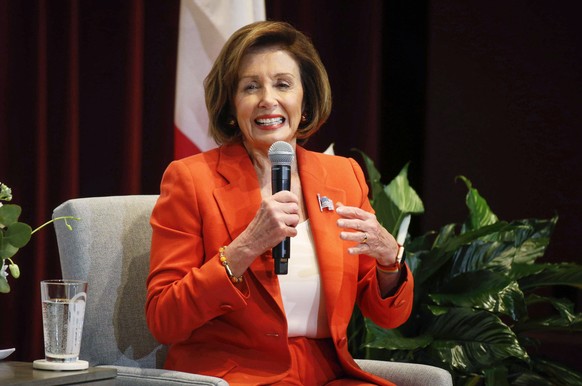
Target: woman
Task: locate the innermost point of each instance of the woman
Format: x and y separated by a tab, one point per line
213	295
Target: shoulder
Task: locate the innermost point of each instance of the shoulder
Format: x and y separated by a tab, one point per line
201	164
208	157
191	173
334	165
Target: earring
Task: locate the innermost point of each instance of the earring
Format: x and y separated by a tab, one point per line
231	122
303	118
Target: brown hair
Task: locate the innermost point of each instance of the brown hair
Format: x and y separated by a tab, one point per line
221	83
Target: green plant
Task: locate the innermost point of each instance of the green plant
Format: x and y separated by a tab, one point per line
14	235
475	286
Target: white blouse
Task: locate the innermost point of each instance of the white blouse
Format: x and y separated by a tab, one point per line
301	288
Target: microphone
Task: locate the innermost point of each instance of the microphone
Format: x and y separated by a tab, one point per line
281	156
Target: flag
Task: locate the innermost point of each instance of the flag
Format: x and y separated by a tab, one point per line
324	203
205	25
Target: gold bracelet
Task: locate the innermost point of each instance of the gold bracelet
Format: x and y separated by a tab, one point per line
234	279
394	267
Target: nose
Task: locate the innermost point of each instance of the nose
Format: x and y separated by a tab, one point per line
268	98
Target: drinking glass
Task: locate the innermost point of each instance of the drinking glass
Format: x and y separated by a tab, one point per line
63	311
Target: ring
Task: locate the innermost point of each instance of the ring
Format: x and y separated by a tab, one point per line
365	238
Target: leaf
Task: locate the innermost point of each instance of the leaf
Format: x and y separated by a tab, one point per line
480	214
4	286
496	376
429	266
14	237
484	290
500	247
564	306
529	378
521	270
387	213
446	245
6	249
414	248
9	214
18	234
413	263
437	310
569	274
446	233
421	243
471	341
454	243
561	375
566	320
393	201
392	339
373	175
480	255
531	238
403	195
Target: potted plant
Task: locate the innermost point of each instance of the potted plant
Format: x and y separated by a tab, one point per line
475	286
14	235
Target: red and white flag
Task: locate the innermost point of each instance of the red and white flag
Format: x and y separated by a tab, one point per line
205	25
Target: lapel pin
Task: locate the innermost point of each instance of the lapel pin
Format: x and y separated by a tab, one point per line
324	203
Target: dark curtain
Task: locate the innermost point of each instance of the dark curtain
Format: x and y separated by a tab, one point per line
86	109
491	92
348	37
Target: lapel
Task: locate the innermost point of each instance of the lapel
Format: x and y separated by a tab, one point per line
238	201
240	198
328	246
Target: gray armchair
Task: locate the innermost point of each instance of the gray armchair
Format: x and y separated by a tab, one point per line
109	247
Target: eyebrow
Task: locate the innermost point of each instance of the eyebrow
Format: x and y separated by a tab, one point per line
278	75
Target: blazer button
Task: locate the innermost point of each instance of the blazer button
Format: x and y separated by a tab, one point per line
226	307
342	342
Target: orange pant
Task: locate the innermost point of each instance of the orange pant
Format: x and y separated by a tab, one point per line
315	363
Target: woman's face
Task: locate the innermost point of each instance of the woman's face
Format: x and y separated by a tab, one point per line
268	99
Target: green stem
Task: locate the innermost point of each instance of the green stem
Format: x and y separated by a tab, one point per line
64	218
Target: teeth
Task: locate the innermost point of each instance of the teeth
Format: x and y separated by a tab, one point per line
269	121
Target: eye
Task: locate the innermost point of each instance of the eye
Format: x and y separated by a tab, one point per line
250	86
284	85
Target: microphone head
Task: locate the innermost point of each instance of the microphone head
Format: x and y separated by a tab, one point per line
281	153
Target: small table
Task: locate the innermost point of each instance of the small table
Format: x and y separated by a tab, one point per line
22	373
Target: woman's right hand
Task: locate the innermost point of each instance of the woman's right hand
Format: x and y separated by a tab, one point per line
276	219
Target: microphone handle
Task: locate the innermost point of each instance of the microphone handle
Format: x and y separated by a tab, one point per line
281	180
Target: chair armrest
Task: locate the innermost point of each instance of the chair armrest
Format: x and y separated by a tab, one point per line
407	374
135	376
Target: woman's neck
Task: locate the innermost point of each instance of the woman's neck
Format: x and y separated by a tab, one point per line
262	164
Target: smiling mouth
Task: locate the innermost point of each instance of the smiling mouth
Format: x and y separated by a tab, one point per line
270	121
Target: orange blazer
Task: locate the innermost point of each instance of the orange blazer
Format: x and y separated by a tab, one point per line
213	327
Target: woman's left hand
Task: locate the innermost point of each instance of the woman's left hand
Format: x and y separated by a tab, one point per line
363	228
